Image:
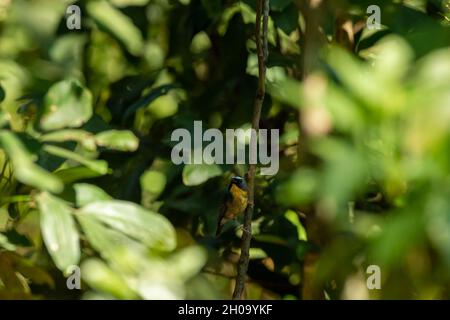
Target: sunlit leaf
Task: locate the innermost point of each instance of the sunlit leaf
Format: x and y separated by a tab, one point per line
109	243
86	193
25	170
102	278
188	262
59	231
117	140
196	174
150	228
153	182
295	220
99	166
73	174
125	3
83	137
67	104
118	24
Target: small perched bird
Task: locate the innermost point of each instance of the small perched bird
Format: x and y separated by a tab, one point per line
235	202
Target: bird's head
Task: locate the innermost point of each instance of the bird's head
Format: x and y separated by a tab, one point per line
239	182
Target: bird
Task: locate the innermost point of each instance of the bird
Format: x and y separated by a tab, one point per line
234	203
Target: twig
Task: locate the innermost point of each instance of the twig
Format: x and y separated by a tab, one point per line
261	29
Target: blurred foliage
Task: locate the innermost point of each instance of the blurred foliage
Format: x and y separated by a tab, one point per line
86	177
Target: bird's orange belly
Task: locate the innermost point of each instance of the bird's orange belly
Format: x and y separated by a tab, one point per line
238	204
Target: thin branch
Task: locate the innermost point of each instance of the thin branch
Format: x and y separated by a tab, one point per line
261	29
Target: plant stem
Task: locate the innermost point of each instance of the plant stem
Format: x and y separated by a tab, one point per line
261	29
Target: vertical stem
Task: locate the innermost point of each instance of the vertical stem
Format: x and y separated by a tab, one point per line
261	29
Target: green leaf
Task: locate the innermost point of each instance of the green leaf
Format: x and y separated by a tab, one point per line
102	278
148	99
196	174
126	3
109	243
85	138
118	24
287	91
287	20
99	166
66	104
188	262
152	229
86	193
153	182
163	107
301	187
70	175
122	140
294	219
25	170
279	5
59	231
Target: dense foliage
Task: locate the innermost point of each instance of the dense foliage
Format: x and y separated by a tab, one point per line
86	177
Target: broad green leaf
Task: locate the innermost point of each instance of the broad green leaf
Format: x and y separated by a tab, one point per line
200	43
86	193
109	243
257	254
400	233
102	278
196	174
153	182
25	170
66	104
344	170
188	262
301	187
294	219
434	71
73	174
154	55
59	231
86	139
118	24
163	107
287	20
122	140
279	5
287	91
99	166
393	54
152	229
126	3
154	94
